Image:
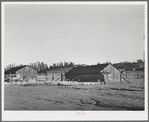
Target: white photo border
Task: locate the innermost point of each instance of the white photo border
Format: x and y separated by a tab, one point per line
71	115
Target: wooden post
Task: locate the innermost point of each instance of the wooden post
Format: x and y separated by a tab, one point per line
120	78
137	74
52	76
126	74
61	76
10	77
46	76
143	75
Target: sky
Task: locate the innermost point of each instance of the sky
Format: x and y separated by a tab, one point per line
85	34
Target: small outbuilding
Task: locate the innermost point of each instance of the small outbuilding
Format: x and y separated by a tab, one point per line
22	72
92	73
56	73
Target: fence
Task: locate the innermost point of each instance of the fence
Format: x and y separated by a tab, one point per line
133	74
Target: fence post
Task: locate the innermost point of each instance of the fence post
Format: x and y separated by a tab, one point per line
52	76
120	75
61	77
46	75
10	77
120	78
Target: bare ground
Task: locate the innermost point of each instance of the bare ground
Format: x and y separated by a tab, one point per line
112	96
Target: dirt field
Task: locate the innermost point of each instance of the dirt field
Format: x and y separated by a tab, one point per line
112	96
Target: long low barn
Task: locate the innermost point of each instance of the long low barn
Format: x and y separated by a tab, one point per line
92	73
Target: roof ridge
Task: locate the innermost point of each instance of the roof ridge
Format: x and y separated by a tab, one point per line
14	69
93	69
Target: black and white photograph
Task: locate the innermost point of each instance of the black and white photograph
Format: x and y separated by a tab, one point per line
74	61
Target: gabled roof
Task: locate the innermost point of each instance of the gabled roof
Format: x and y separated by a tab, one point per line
94	69
13	70
59	70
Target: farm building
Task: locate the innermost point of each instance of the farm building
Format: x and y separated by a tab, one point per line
56	73
133	70
21	72
42	75
92	73
133	74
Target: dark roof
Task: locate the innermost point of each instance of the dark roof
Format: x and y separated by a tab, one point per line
140	69
41	72
94	69
13	70
59	70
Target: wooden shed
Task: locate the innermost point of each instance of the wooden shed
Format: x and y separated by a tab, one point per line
92	73
22	72
56	73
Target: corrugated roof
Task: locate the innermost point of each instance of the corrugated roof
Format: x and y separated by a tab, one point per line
13	70
94	69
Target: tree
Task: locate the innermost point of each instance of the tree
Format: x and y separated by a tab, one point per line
98	63
54	64
139	61
71	64
66	64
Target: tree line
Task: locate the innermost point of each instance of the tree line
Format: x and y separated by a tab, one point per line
63	64
41	66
